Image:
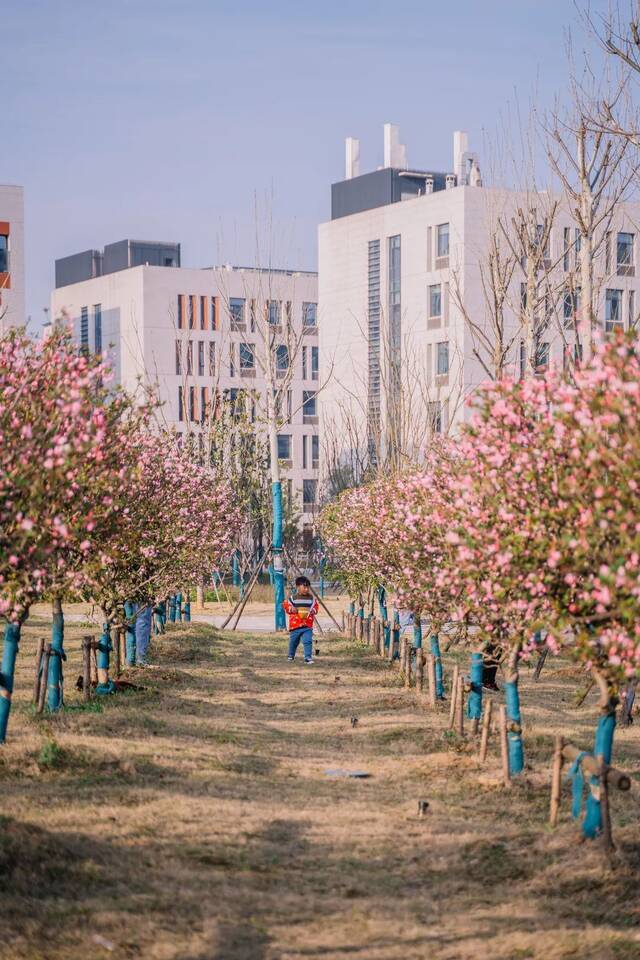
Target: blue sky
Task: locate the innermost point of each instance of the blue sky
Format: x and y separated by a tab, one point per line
161	119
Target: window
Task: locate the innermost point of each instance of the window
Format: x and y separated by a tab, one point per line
607	252
204	404
180	311
442	240
203	313
631	308
4	253
566	249
613	310
309	494
315	451
304	363
180	405
434	414
212	359
236	310
97	328
201	358
287	310
442	358
435	301
305	442
523	359
309	405
275	311
624	253
542	357
284	446
282	358
309	314
315	363
232	360
191	310
178	358
192	403
247	356
190	357
570	306
214	313
84	329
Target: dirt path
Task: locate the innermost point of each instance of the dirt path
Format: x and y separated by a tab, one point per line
194	821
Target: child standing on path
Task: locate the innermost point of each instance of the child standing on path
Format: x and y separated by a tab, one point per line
301	609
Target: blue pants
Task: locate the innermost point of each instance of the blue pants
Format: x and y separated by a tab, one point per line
143	631
306	635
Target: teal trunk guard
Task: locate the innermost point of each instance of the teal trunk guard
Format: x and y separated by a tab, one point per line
474	700
278	559
417	632
10	648
172	608
395	635
434	643
514	738
102	661
576	776
384	615
179	607
592	823
187	611
130	614
55	678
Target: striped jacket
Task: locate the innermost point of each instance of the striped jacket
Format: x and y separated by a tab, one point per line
301	611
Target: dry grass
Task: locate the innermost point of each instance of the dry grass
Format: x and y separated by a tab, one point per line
193	820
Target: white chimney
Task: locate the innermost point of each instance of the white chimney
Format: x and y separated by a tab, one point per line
475	177
428	184
395	153
352	158
460	148
450	181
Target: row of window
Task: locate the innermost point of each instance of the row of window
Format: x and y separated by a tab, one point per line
614	312
194	404
246	359
624	251
97	328
204	312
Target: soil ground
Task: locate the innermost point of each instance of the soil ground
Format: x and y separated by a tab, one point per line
194	820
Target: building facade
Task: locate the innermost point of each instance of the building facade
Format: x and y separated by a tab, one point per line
191	333
12	293
409	267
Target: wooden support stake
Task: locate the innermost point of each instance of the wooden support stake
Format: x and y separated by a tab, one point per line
122	648
86	668
475	723
36	682
486	730
454	694
556	781
460	708
419	671
504	746
342	622
42	693
390	651
408	649
615	778
94	662
431	676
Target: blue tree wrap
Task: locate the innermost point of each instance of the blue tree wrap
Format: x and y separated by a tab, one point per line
54	680
592	823
10	646
474	700
514	737
434	643
278	569
102	660
417	632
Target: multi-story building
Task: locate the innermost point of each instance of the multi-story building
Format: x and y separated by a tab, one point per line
408	279
190	332
12	308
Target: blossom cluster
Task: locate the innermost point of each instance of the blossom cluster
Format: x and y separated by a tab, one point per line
528	522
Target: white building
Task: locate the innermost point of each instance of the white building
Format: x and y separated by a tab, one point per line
12	308
405	324
190	332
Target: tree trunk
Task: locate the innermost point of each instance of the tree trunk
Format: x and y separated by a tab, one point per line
603	747
10	649
474	701
512	698
55	678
